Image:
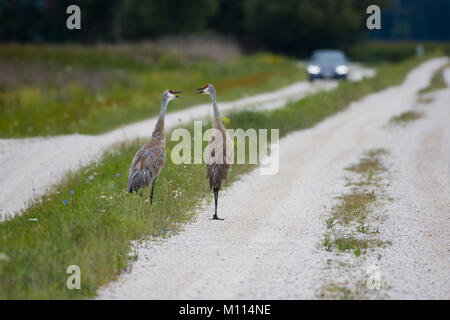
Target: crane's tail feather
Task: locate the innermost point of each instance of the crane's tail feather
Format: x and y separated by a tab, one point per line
216	173
138	179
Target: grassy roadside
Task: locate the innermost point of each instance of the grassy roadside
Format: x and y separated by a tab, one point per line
89	220
51	90
437	81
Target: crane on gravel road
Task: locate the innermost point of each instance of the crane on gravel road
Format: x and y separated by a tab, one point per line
220	150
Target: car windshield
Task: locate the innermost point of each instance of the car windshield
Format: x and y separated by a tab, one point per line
329	57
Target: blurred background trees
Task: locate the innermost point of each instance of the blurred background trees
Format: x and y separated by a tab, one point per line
288	26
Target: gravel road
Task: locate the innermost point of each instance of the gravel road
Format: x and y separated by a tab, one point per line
269	245
30	166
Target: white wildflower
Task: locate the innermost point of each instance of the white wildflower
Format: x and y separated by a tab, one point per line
4	257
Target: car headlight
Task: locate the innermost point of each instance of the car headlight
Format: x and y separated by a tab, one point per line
342	69
313	69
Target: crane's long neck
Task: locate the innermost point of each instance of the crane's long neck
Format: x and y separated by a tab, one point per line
160	124
162	114
216	112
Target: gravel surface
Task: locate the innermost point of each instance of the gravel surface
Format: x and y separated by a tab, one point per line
30	166
417	265
269	245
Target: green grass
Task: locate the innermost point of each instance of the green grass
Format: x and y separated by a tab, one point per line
355	207
94	228
89	220
369	163
437	81
352	227
357	246
407	116
394	51
368	167
51	90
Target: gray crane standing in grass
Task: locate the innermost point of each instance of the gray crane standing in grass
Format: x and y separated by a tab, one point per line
151	157
220	150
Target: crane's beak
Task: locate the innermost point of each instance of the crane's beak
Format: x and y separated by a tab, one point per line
175	93
199	92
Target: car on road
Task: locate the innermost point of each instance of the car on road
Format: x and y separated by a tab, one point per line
328	64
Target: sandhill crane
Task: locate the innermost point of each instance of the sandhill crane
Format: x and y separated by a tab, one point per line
217	169
151	157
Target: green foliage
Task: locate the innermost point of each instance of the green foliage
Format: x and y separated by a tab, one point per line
291	26
300	26
103	20
155	18
89	220
394	51
53	90
379	51
93	229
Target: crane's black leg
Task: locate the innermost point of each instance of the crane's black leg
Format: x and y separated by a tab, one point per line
151	193
216	198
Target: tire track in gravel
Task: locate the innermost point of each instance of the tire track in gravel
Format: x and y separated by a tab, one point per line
416	266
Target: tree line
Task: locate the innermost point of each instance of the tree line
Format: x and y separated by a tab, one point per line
290	26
